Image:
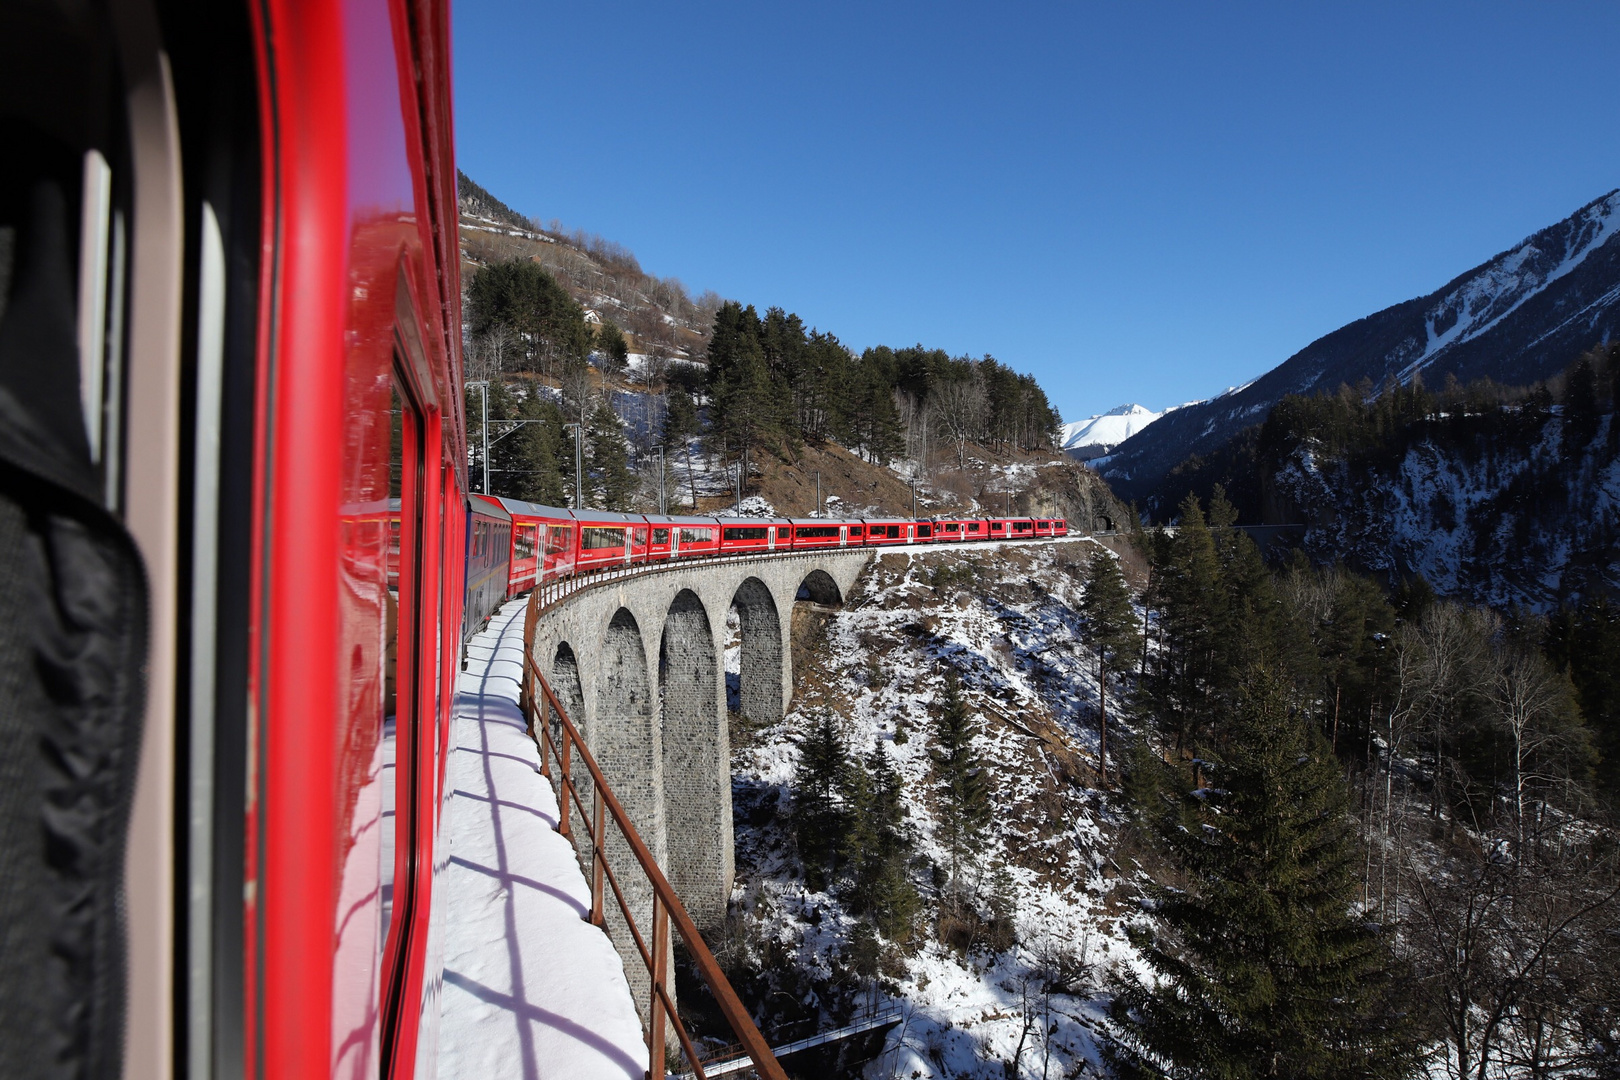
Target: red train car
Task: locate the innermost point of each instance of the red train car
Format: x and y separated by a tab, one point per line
744	535
819	533
236	227
492	567
607	539
884	531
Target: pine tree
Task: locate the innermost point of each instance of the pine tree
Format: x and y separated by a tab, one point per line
878	848
820	813
1263	969
609	463
610	343
1189	597
1109	629
963	784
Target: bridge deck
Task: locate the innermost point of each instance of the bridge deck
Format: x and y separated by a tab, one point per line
531	990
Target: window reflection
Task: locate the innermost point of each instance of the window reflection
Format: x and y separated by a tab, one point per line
387	750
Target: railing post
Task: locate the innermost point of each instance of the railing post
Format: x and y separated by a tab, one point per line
542	720
598	855
660	972
565	797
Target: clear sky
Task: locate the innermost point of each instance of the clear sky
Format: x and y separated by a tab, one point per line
1137	202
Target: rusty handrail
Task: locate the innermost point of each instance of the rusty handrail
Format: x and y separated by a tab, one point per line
667	907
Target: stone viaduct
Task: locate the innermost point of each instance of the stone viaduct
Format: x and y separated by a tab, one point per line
639	664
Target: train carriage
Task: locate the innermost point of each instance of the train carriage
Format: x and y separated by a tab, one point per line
608	539
738	535
884	531
490	570
819	533
694	537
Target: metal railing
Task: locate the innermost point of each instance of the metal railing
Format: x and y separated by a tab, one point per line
565	748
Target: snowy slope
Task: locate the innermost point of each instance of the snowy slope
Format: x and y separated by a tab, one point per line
1523	522
1029	683
1522	316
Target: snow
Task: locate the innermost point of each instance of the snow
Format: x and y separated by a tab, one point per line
755	506
1030	684
531	990
1108	429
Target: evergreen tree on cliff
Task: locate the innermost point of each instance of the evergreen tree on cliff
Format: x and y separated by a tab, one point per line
1110	631
1263	968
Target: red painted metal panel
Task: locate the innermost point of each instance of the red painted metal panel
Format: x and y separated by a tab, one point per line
359	209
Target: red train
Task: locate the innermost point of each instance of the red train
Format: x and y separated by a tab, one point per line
548	542
236	537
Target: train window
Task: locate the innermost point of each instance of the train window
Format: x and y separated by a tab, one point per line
660	536
1022	526
397	766
558	538
894	532
953	528
782	532
696	536
523	543
817	532
925	531
641	535
594	538
744	533
857	530
973	527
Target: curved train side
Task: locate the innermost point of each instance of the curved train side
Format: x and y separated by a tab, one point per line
548	543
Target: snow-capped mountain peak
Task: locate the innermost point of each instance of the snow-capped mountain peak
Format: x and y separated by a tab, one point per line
1096	434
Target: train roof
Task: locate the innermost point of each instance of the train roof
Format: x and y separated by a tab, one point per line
528	509
488	506
681	519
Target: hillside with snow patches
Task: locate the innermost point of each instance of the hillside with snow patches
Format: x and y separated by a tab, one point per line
1520	317
1006	622
1529	519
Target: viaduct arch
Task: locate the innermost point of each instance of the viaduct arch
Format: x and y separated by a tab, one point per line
637	662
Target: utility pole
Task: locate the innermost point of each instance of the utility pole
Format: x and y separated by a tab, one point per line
818	493
483	426
663	502
913	500
579	467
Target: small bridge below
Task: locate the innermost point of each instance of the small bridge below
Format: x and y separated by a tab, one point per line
870	1030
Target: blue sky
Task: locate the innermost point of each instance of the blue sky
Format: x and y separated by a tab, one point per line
1135	202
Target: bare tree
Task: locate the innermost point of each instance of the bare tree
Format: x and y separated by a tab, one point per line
1504	955
914	418
578	391
958	409
1532	704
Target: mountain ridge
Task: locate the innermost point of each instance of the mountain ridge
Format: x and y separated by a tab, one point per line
1520	317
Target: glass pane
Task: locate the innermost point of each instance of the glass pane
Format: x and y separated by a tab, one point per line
387	750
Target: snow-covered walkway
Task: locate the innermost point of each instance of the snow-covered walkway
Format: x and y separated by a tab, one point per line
531	990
